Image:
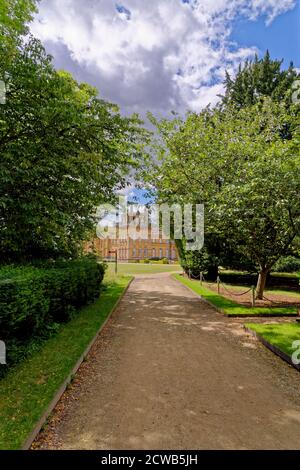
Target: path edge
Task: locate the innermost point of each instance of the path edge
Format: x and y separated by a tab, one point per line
220	310
272	348
237	315
36	430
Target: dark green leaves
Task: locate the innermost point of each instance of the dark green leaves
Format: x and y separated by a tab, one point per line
63	151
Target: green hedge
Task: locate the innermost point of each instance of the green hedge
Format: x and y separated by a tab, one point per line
287	264
34	299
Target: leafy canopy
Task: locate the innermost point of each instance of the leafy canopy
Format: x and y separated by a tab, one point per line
14	17
243	166
63	151
259	79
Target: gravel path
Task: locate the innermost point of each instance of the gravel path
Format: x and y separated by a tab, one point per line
168	372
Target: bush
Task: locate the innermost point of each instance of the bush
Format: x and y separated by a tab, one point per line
287	264
147	261
34	299
196	262
165	261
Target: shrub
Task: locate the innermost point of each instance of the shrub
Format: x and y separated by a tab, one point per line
165	261
34	299
197	261
147	261
287	264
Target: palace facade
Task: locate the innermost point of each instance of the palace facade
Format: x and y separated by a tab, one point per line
135	250
129	249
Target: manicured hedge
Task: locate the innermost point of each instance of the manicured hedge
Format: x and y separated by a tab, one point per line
34	299
273	280
288	264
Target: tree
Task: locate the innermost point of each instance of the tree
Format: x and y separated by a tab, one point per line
63	152
237	163
259	79
14	17
260	209
217	251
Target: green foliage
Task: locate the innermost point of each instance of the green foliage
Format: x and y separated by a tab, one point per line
30	387
287	264
63	152
34	299
274	280
217	252
257	204
238	164
259	79
14	16
146	261
196	262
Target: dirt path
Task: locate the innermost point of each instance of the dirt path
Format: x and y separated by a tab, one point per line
168	372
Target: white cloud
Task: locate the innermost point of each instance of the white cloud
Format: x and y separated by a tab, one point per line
156	55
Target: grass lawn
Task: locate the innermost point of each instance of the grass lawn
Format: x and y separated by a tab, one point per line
229	307
28	388
130	269
281	335
290	293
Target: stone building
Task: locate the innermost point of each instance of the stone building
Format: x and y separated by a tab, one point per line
133	250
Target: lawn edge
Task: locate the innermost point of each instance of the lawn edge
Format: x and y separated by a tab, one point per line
237	315
262	315
36	430
218	309
284	356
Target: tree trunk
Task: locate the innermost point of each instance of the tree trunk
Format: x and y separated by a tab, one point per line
261	283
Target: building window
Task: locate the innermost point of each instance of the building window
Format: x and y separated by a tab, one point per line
145	252
154	253
160	253
167	252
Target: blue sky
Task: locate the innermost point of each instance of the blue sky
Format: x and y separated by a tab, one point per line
164	55
281	37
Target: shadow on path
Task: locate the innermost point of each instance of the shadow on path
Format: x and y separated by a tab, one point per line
169	372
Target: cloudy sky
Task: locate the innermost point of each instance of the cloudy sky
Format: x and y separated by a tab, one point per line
164	55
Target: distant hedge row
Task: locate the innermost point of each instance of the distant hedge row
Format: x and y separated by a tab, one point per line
34	300
287	264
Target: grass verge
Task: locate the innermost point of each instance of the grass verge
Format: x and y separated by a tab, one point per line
233	309
131	269
29	388
280	335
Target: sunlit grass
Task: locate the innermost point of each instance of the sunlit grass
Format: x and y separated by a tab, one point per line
281	335
231	308
131	269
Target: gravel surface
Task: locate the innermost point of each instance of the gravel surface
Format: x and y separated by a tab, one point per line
169	372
